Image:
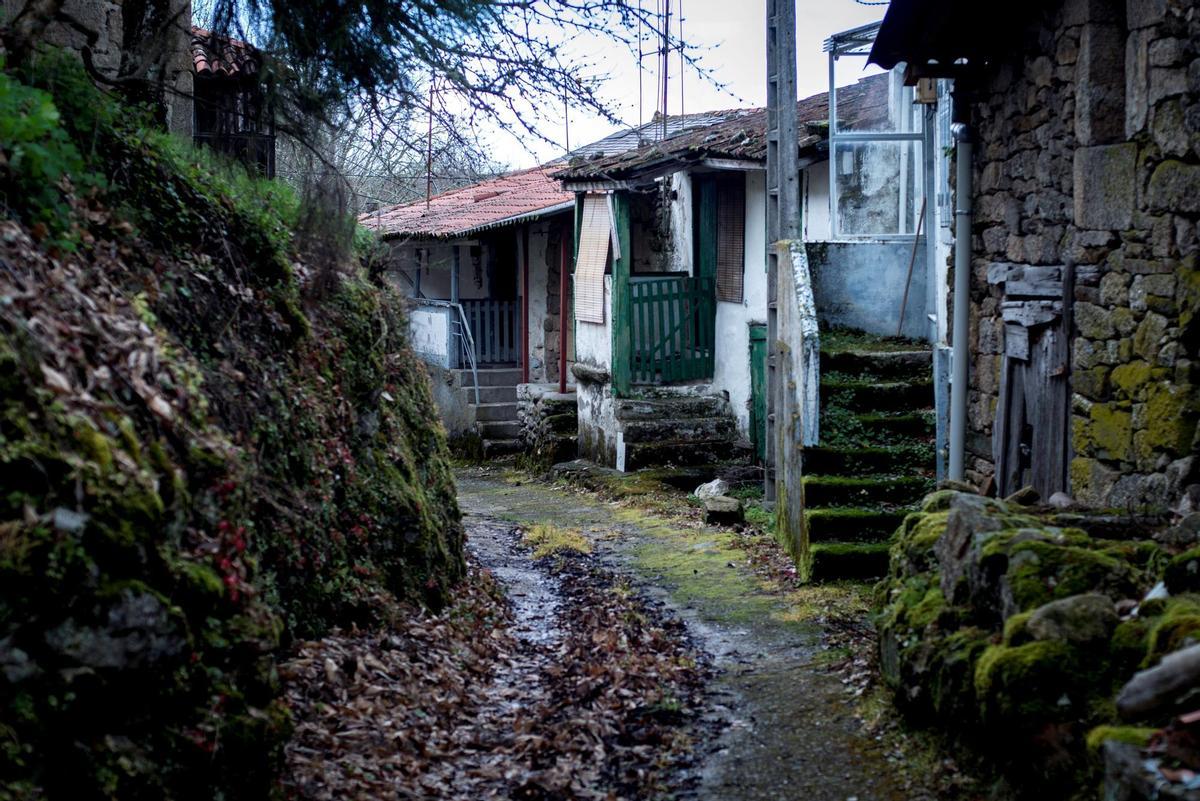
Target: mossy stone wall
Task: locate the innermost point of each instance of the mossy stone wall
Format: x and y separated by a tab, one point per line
1089	153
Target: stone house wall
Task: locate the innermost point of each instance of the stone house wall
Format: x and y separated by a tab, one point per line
1088	153
104	22
549	423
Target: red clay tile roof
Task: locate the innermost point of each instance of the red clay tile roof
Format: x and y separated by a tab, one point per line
213	54
487	204
742	137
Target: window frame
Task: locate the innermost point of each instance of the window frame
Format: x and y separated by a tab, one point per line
857	44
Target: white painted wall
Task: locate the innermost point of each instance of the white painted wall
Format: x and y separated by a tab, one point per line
593	341
435	276
430	333
599	439
681	222
817	225
731	371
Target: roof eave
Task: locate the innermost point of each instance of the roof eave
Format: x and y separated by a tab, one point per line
529	216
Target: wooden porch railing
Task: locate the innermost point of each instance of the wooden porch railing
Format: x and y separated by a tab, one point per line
673	320
497	331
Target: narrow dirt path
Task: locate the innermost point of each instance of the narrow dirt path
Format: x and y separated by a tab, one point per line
787	731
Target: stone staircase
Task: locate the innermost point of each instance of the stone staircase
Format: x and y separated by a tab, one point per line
496	411
876	457
662	428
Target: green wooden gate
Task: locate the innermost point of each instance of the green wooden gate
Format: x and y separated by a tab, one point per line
672	320
758	390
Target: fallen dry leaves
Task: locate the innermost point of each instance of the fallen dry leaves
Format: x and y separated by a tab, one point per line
465	704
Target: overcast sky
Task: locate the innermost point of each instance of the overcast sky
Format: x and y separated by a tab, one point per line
731	37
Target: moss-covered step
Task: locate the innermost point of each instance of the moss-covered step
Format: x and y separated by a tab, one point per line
664	453
828	561
826	490
876	396
844	339
905	365
885	424
824	460
851	524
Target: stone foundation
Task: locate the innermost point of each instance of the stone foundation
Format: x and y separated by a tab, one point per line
1089	154
549	423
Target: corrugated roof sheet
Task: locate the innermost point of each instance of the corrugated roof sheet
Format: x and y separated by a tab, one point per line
741	136
464	211
213	54
630	138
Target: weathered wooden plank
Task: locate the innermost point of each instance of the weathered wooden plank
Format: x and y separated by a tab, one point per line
998	272
1016	342
1032	288
1031	312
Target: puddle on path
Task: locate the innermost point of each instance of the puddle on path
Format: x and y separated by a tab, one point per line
788	730
534	595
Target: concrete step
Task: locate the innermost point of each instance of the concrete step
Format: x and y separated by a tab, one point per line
863	461
897	364
869	491
491	394
486	412
877	396
846	560
688	428
501	447
490	377
500	429
851	524
639	455
682	406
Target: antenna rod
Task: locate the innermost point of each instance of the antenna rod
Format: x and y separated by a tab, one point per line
429	144
639	72
567	118
666	62
681	64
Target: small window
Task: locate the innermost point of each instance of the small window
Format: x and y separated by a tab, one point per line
592	259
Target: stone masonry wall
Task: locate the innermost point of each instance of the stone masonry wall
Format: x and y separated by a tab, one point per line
103	21
549	423
1089	153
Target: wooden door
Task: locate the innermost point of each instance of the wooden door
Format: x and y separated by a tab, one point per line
758	390
1031	432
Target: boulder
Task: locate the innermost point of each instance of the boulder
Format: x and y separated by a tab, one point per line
1026	496
723	511
972	518
713	489
1182	536
1160	686
1183	572
1087	619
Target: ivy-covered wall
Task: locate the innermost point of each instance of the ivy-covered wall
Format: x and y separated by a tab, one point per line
1089	153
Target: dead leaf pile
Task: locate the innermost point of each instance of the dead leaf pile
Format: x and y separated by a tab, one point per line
458	707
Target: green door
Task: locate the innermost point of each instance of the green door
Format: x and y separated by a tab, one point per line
758	389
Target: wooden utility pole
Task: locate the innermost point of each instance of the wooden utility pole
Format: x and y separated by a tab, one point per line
783	194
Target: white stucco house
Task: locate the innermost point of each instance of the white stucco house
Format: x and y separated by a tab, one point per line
671	290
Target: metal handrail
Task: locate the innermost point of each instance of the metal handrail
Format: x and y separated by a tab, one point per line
469	339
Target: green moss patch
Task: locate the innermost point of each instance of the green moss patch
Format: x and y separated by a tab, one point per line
547	539
1027	652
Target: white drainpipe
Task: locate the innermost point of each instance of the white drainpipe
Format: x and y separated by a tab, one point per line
962	283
